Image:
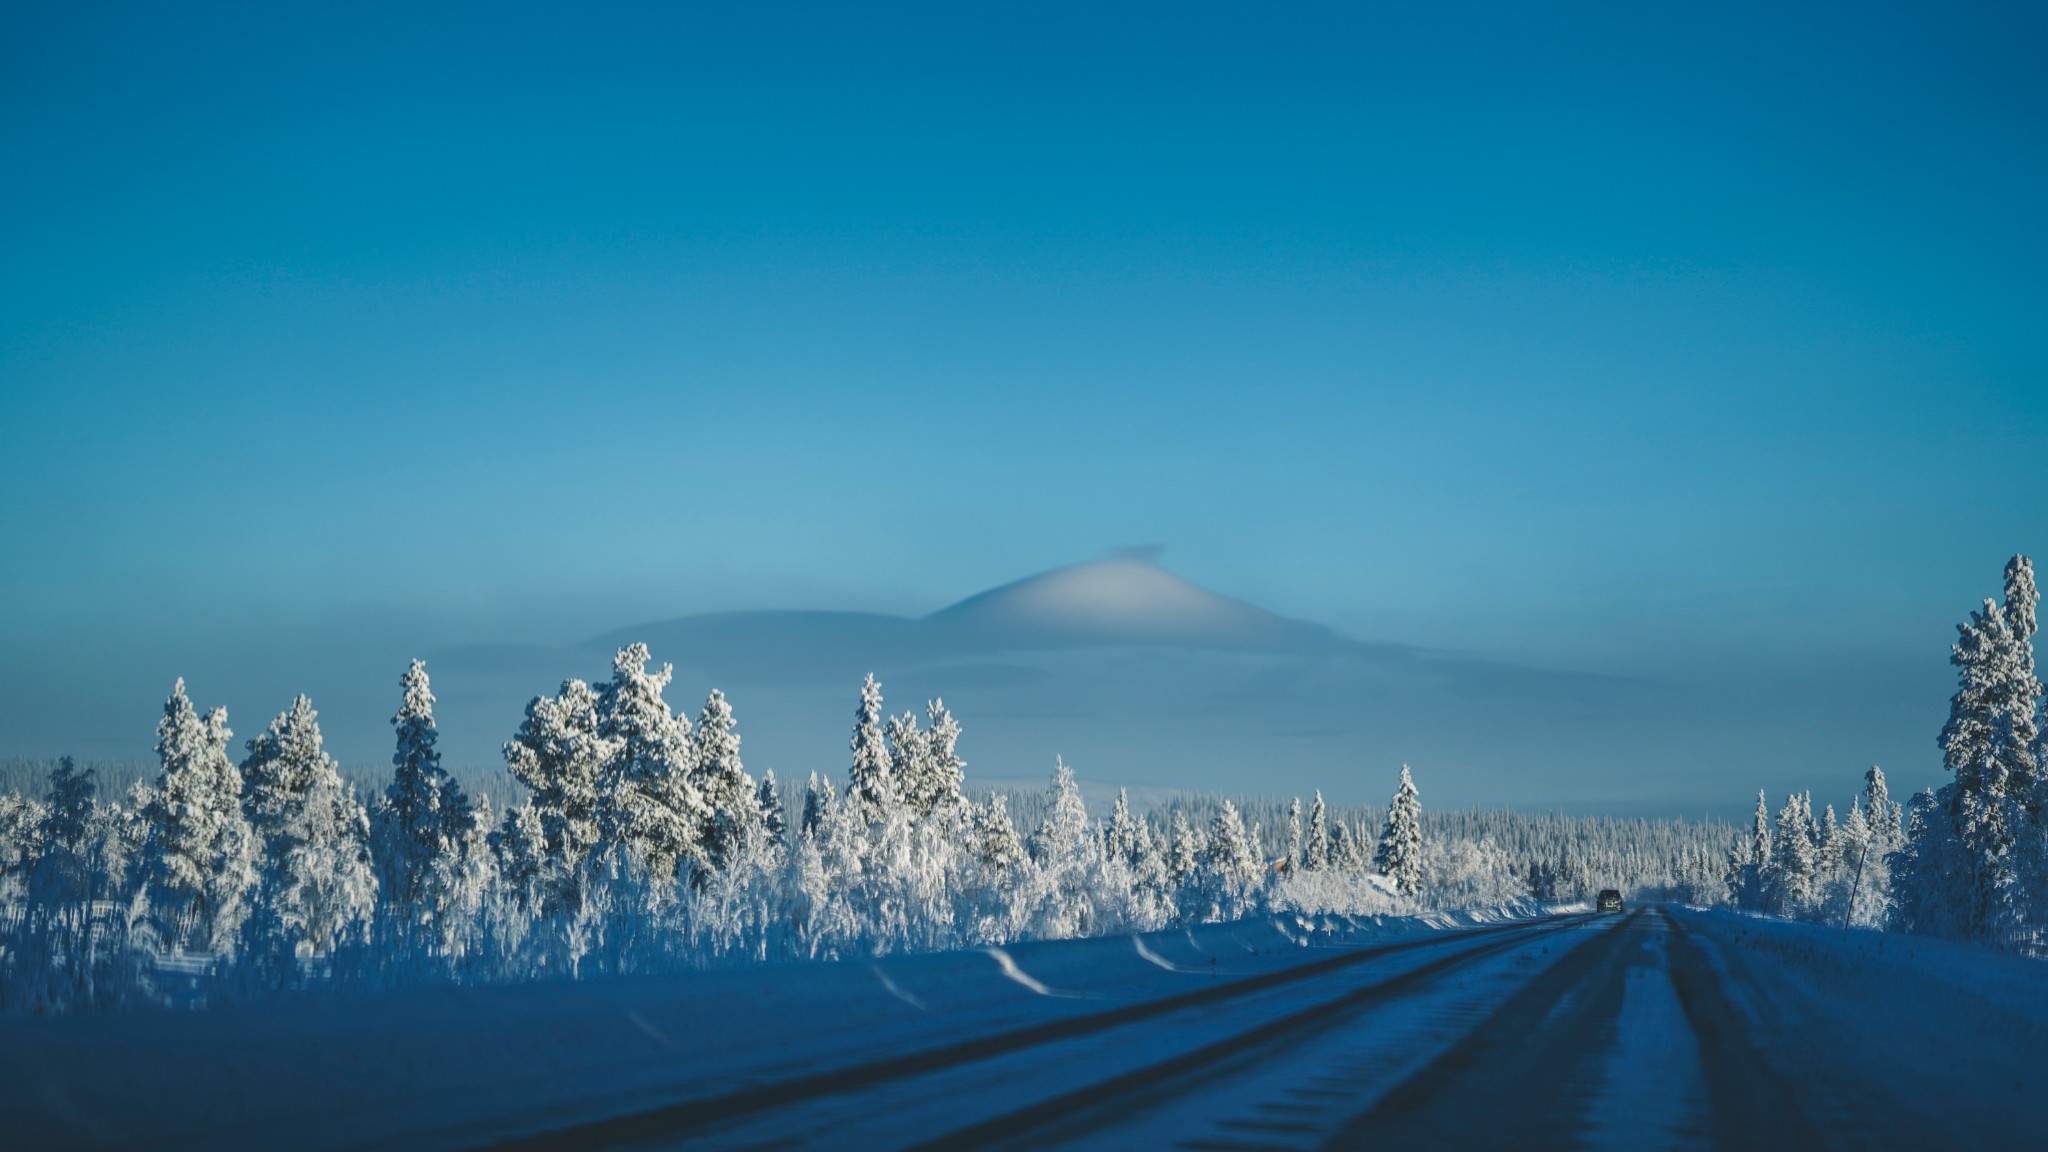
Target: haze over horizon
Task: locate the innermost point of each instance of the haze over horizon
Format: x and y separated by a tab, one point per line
1667	385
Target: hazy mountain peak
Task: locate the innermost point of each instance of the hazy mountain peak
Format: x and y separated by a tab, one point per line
1118	599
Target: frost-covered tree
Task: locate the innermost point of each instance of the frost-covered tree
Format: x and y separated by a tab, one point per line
424	813
318	885
69	835
519	846
1067	857
1229	851
1752	877
1230	867
1794	867
1871	834
868	781
648	803
818	800
1976	858
1315	854
997	844
1347	848
199	856
768	801
727	791
560	755
1879	810
1829	847
1294	846
21	844
1399	855
1120	837
942	769
1184	851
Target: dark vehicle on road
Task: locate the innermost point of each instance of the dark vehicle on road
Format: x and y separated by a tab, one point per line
1610	900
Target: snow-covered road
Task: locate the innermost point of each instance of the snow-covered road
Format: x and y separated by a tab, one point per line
1655	1029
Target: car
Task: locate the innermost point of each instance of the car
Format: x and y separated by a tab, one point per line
1610	900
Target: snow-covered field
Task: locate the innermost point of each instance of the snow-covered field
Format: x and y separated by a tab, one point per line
1531	1026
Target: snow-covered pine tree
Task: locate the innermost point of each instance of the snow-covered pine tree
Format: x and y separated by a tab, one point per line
867	783
1120	835
64	943
1793	860
2024	743
1399	855
1315	854
1294	846
1752	874
997	844
1969	867
1149	872
527	866
424	812
1067	858
1858	904
21	848
944	770
1230	864
648	804
818	800
768	800
560	756
318	885
68	836
721	780
1184	851
199	857
1831	881
909	760
1879	811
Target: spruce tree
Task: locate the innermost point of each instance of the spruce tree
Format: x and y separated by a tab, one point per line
909	760
734	814
997	844
68	810
424	812
1399	855
199	856
1120	837
1976	858
561	757
768	799
1793	859
868	781
648	803
1184	851
818	802
1065	853
318	884
1315	855
944	769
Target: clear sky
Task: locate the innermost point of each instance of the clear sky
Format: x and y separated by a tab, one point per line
1703	346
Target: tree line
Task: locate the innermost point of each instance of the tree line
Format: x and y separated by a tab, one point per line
1967	860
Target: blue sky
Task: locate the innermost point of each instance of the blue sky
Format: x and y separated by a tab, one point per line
1703	347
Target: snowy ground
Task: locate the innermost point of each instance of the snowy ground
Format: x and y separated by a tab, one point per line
1656	1029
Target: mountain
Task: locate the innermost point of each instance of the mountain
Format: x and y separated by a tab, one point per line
1115	601
1132	672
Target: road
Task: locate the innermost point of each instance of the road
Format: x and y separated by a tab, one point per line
1657	1028
1650	1029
